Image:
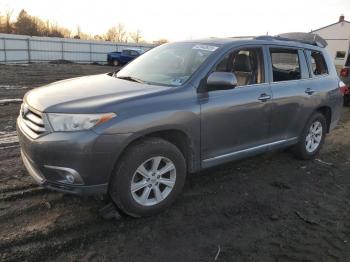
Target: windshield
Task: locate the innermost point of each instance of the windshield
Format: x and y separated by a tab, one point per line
169	64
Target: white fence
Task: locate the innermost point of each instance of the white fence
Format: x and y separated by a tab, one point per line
28	49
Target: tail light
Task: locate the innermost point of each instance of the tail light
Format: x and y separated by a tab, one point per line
344	72
344	90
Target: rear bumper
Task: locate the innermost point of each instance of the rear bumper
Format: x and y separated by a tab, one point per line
336	110
346	81
71	162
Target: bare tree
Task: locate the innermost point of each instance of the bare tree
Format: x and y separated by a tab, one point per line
136	36
26	25
117	34
1	24
5	23
98	37
161	41
78	35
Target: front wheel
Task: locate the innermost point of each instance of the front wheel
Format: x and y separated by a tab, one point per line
148	178
312	137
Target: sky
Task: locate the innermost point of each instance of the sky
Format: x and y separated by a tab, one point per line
186	19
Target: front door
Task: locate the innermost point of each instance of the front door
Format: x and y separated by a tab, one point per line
236	121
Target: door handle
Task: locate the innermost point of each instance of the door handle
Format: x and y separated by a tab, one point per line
309	91
264	97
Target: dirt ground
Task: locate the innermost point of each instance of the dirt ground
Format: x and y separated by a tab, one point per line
267	208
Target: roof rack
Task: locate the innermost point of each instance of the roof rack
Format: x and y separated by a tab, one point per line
305	38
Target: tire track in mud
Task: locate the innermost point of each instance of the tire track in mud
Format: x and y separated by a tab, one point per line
18	195
8	140
45	225
13	87
48	249
17	187
66	224
324	240
7	101
27	206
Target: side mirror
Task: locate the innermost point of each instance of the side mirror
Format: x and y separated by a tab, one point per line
221	81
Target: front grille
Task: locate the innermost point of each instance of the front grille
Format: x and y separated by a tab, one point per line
32	121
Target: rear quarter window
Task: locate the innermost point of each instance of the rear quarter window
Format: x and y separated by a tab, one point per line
318	63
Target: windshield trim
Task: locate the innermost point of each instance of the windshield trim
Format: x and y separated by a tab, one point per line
125	78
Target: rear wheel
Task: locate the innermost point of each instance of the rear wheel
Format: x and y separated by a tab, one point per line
312	137
115	62
148	178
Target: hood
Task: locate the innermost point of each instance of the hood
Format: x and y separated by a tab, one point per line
88	94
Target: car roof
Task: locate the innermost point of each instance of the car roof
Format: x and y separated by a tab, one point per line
232	41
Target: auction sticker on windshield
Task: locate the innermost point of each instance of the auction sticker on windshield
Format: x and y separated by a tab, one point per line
205	47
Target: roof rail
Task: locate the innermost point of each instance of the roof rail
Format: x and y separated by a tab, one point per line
305	38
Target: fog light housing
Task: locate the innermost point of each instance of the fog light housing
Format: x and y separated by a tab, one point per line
70	179
63	175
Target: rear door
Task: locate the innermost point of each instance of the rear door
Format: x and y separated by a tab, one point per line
292	92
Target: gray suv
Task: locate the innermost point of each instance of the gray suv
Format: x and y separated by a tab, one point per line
178	109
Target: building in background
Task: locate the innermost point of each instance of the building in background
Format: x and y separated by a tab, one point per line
338	37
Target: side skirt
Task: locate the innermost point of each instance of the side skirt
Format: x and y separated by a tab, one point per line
210	162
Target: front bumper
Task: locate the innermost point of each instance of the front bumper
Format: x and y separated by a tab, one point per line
62	187
86	156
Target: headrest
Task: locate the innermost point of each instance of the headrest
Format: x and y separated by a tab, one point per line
242	63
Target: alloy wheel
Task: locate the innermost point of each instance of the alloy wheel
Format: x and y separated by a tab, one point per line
314	137
153	181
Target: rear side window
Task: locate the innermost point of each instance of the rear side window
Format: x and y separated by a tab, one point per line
285	64
318	63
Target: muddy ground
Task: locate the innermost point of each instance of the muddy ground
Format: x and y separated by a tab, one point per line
267	208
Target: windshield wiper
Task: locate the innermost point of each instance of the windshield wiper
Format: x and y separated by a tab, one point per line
131	78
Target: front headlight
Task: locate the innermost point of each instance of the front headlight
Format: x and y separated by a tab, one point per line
77	122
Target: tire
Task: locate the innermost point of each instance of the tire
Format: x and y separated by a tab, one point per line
115	62
304	149
146	154
346	100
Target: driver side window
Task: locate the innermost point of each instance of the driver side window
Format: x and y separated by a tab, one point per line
246	64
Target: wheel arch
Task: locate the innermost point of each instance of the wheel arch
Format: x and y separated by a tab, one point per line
327	112
175	136
182	141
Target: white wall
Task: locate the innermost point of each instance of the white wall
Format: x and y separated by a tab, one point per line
338	38
25	49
